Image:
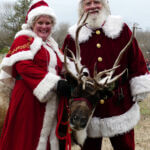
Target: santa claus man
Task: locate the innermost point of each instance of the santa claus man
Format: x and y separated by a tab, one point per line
101	41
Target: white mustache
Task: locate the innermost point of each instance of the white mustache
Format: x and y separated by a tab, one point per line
90	11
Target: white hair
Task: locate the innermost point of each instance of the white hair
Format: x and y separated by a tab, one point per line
96	20
104	3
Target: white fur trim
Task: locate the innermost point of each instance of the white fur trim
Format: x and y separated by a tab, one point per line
37	43
109	127
53	139
71	65
28	32
112	29
45	87
140	84
55	47
84	34
113	26
6	67
81	135
53	59
48	123
8	62
42	10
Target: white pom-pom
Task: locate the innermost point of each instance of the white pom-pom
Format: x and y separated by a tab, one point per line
25	26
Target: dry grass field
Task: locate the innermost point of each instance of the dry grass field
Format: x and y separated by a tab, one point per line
4	98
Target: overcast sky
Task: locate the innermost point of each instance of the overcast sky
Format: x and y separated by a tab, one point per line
131	10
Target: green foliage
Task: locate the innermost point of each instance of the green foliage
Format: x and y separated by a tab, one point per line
4	50
14	19
17	18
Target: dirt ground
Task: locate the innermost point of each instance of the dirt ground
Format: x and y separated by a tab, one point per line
142	130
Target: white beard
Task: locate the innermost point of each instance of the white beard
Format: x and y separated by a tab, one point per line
97	20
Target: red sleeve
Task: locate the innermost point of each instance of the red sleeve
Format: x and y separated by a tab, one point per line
69	43
137	65
41	82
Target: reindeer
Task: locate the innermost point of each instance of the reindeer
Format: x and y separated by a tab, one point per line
88	90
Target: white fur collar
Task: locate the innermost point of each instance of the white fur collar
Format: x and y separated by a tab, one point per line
8	62
26	32
112	29
50	42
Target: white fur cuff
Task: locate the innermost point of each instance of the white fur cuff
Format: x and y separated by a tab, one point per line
140	84
45	86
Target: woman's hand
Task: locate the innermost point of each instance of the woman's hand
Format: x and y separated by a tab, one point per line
64	88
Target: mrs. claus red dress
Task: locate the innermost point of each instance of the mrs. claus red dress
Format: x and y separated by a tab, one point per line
32	69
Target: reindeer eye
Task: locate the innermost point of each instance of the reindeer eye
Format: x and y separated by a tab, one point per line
75	118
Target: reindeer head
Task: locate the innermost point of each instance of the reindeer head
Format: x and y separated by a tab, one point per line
88	90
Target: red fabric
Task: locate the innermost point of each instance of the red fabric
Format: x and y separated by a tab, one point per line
110	48
38	4
120	142
22	127
124	142
21	43
63	103
33	71
24	120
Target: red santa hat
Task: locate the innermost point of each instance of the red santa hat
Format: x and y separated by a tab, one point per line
104	2
37	8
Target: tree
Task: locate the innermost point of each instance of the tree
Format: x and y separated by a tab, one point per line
60	33
12	21
143	41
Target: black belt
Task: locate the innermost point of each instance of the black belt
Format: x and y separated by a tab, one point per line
19	77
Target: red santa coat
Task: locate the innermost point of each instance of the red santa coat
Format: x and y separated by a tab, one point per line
103	45
32	68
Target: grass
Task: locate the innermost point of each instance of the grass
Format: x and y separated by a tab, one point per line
2	117
145	107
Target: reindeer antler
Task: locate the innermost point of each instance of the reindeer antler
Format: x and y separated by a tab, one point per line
101	79
77	60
